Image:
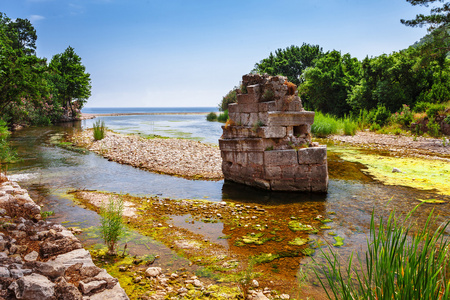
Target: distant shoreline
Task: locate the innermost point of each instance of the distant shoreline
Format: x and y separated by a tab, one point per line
85	116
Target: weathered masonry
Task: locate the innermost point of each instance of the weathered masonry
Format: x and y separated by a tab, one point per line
267	141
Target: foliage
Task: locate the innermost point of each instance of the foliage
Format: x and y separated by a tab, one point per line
434	109
433	127
268	95
231	97
70	79
438	18
381	115
421	106
396	265
327	84
99	130
212	116
325	124
223	117
7	155
290	62
28	86
46	214
111	222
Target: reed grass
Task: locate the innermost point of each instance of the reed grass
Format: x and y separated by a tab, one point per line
325	125
111	227
99	130
397	265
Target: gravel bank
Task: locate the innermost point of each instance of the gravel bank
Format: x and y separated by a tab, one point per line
186	158
403	145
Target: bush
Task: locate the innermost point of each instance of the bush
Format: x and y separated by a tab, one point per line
395	266
231	97
212	116
350	127
433	127
7	155
421	106
111	227
404	117
434	109
99	130
223	117
381	115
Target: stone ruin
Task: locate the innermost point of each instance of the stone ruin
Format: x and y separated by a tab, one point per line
266	142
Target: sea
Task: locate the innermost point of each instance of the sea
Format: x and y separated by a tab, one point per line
174	122
127	110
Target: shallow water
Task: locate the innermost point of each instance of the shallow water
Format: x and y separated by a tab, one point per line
50	172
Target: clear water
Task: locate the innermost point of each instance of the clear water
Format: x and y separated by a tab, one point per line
49	172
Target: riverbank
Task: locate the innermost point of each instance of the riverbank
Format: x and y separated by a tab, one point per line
85	116
42	260
401	145
180	157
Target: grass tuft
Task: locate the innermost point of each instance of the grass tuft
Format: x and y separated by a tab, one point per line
99	130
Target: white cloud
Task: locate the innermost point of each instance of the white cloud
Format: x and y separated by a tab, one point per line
36	18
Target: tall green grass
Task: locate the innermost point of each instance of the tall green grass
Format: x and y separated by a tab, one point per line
99	130
325	125
397	265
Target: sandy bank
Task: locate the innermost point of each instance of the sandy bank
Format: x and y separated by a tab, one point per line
186	158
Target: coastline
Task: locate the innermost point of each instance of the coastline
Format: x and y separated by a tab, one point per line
85	116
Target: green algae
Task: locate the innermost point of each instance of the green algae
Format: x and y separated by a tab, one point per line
339	241
265	258
252	238
297	226
414	172
308	251
298	241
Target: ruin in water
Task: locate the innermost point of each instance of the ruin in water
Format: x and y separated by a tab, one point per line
266	142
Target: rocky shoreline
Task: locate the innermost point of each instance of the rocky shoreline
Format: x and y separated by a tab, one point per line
43	260
180	157
424	147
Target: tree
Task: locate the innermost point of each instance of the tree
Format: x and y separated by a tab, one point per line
327	84
23	34
70	79
290	62
439	16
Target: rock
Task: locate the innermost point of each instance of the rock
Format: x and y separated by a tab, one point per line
32	256
285	297
64	245
74	257
116	293
153	271
197	283
255	283
49	268
4	272
396	170
137	279
67	291
90	271
259	296
86	288
110	281
33	287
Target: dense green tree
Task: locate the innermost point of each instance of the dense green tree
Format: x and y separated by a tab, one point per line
23	35
327	84
70	79
290	62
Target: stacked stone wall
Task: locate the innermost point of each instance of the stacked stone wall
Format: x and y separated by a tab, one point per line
267	141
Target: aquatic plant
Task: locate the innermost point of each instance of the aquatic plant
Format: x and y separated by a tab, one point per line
111	222
396	265
99	130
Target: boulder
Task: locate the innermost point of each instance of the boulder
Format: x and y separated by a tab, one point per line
33	287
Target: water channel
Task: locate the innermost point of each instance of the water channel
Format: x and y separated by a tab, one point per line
50	172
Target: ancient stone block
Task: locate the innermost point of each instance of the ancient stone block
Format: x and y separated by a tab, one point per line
267	132
263	117
253	89
273	172
241	158
233	108
280	157
255	158
312	155
248	107
228	156
267	106
247	99
278	118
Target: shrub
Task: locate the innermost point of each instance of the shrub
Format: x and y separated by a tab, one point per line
268	95
111	227
381	115
212	116
231	97
396	265
99	130
421	106
433	127
350	127
7	155
223	117
404	117
434	109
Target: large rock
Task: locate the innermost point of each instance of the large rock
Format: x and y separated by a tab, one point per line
33	287
116	293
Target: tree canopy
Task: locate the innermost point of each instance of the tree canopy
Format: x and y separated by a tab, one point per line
439	15
31	91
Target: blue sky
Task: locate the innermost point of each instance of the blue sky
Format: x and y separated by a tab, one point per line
168	53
